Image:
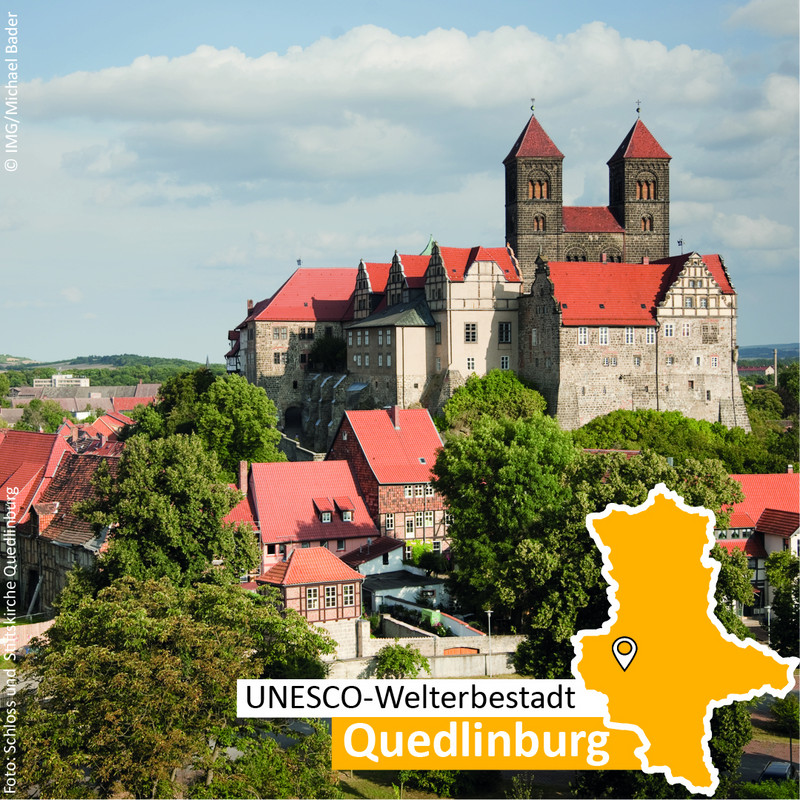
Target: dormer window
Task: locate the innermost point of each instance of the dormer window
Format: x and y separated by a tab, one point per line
324	508
345	507
347	516
326	516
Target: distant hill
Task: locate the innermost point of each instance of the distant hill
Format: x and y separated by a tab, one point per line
6	359
786	352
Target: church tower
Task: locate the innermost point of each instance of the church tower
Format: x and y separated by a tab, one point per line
533	198
638	176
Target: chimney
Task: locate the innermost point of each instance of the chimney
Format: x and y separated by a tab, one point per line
243	477
249	307
790	469
604	258
645	259
394	416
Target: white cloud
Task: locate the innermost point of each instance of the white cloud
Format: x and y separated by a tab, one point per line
72	294
773	17
737	230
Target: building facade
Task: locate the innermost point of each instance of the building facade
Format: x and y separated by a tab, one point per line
584	302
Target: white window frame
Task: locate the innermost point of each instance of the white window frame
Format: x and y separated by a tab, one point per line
419	519
583	336
347	516
714	361
325	516
312	597
602	335
630	336
330	597
366	338
504	362
408	492
650	336
428	490
470	332
419	490
504	332
410	530
429	519
390	522
686	329
348	594
669	330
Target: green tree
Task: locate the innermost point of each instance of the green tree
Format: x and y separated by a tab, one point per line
789	387
783	574
498	393
166	511
786	711
670	434
46	416
733	586
400	661
5	387
233	418
329	353
140	680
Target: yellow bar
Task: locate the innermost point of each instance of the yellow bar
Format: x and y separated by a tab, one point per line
482	743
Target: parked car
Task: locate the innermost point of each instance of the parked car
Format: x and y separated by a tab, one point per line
778	771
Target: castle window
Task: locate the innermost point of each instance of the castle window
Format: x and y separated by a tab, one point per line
603	336
714	361
710	333
583	336
534	337
637	361
703	302
539	223
613	361
688	303
670	360
669	330
686	329
650	336
708	394
504	332
504	362
470	331
470	365
647	223
606	361
276	358
629	336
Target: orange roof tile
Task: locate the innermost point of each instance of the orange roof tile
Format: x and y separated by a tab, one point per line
308	565
378	275
458	260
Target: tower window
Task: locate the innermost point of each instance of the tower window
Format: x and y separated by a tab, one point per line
538	189
539	223
647	223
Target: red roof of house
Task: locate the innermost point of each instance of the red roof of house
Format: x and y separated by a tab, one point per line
778	523
639	143
400	445
779	492
378	275
308	565
71	483
28	462
414	268
533	142
589	219
593	293
458	260
284	497
311	295
752	546
122	404
243	511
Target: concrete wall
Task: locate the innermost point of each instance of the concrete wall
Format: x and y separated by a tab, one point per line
461	666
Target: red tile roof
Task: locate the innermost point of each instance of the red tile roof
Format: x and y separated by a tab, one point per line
72	483
533	142
639	143
284	496
311	295
402	454
378	275
28	462
778	523
122	404
593	293
414	268
309	565
458	260
242	512
753	546
590	219
779	492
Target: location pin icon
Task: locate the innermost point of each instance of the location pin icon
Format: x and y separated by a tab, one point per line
624	649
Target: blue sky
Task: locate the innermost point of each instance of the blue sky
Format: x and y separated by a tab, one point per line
176	161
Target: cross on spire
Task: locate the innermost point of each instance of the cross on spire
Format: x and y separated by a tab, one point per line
639	108
533	104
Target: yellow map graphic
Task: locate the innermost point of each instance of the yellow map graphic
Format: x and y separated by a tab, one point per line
681	663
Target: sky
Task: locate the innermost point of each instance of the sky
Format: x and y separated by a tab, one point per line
177	159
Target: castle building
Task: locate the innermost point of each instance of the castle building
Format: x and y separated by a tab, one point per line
585	302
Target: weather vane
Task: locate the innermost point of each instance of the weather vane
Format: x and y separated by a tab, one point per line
639	108
533	104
